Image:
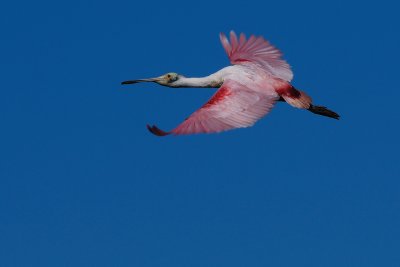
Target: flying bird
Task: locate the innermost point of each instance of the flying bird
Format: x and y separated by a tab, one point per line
248	89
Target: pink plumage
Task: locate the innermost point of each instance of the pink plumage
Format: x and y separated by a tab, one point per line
232	106
248	89
258	51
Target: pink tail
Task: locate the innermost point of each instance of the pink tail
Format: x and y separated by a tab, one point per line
295	98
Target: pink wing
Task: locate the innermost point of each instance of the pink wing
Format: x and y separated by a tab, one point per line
232	106
256	50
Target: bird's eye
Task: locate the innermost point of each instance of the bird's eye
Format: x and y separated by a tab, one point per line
171	77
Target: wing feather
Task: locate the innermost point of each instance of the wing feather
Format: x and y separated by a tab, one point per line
238	107
256	50
232	106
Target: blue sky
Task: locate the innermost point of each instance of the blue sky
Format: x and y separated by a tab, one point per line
83	183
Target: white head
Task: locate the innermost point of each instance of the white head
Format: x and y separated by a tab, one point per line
171	79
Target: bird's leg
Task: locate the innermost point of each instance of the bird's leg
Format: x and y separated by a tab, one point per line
323	111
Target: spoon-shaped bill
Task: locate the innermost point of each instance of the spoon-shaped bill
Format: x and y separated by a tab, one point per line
140	81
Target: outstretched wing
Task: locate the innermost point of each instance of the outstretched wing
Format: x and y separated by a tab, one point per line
256	50
232	106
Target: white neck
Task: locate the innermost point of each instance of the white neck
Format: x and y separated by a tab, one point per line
204	82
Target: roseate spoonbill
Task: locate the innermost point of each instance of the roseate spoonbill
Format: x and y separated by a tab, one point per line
248	89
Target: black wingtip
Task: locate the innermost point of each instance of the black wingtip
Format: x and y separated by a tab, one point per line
156	131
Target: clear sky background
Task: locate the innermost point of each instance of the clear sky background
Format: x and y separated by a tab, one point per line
83	183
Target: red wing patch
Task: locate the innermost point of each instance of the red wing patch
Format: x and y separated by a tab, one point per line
240	60
218	97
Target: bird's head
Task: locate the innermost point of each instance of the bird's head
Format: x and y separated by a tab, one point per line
170	79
